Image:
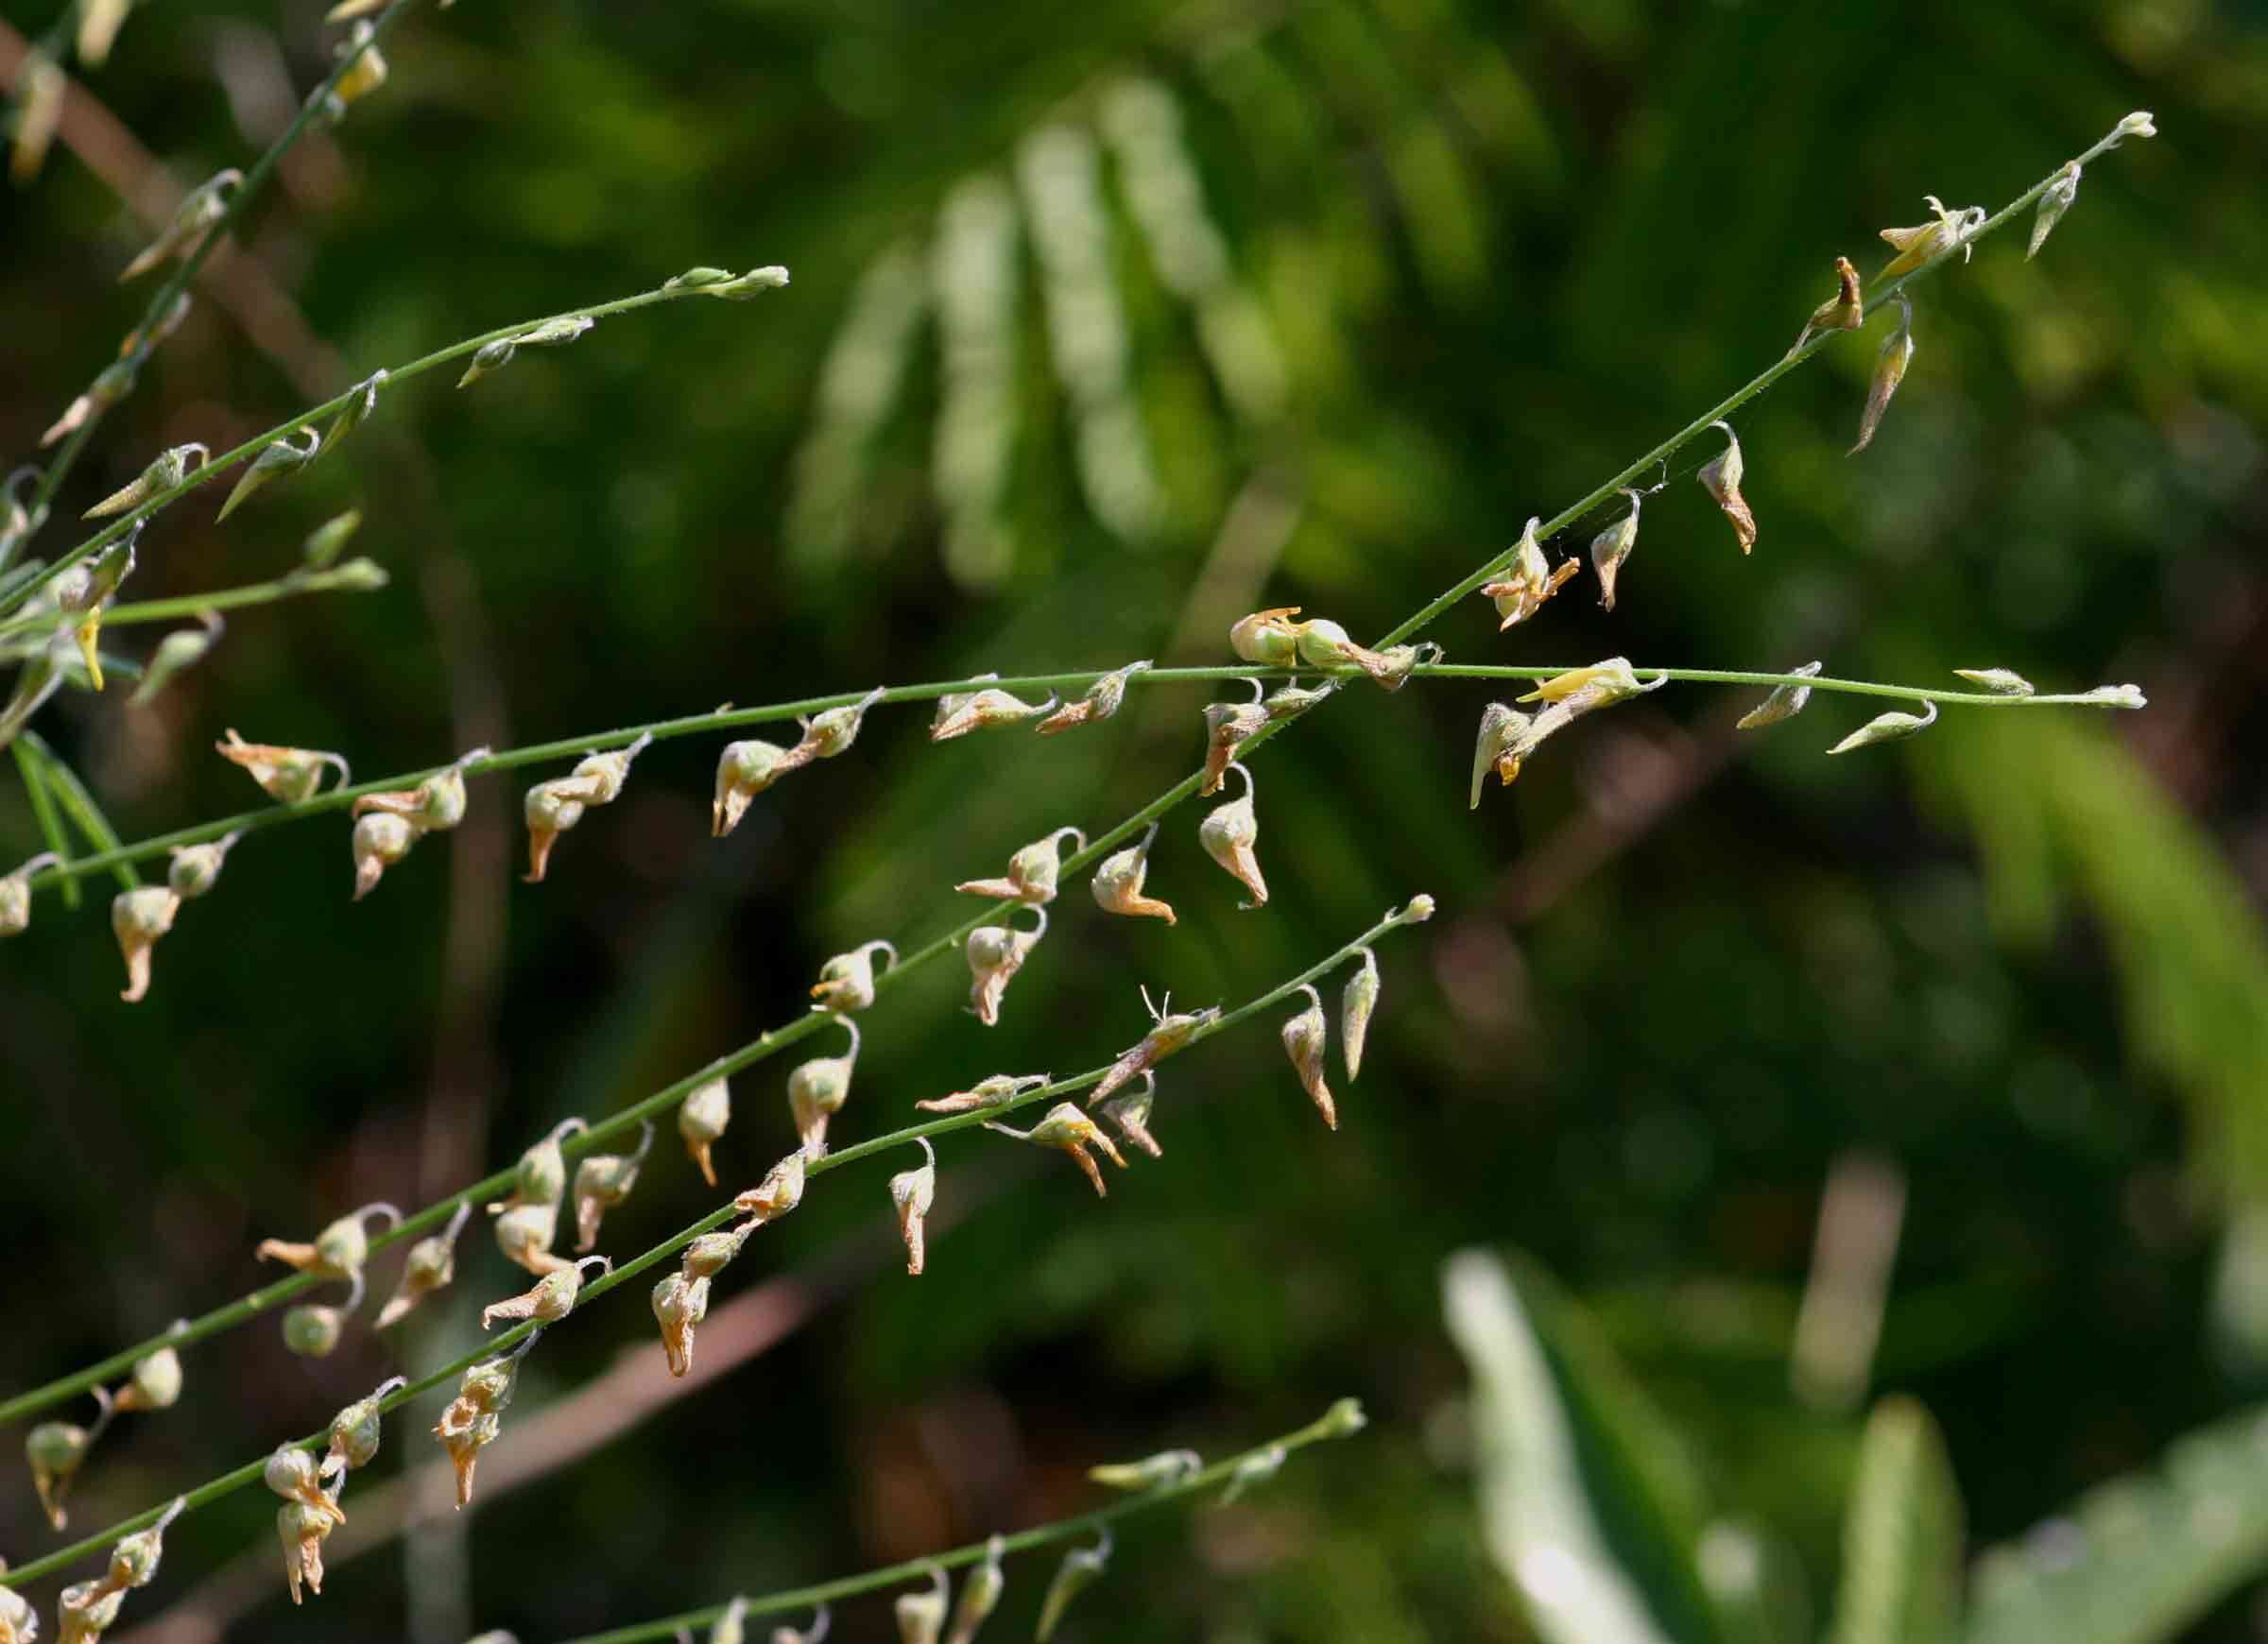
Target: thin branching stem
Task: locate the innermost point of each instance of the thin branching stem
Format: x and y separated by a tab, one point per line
505	1340
336	578
1331	1423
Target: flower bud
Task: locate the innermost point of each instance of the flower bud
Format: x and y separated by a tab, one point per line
1117	883
1501	746
1079	1571
1721	478
1355	1006
365	73
291	1473
550	1299
15	894
474	1417
170	468
430	1266
338	1250
1131	1114
1398	662
1844	311
1785	702
558	805
2117	695
288	773
134	1559
1889	371
541	1176
1610	547
2053	202
156	1381
1267	637
355	1431
137	918
1068	1129
86	1610
920	1616
1343	1419
913	1192
744	770
55	1450
1324	643
1257	1469
1917	245
701	1119
679	1306
816	1091
195	868
1530	580
378	842
996	1091
363	400
313	1330
525	1236
780	1191
273	462
984	710
112	384
491	356
193	219
1227	724
980	1594
434	804
301	1530
2000	681
828	734
181	649
1887	728
1228	835
1100	702
694	279
1305	1040
996	953
602	1181
1167	1467
1170	1032
1032	872
847	981
750	285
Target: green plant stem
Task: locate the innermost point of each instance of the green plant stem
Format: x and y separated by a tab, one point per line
1330	1424
506	1341
220	464
185	270
339	578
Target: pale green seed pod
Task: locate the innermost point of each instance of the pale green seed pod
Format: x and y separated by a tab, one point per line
351	416
2053	202
1887	728
137	918
828	734
1228	835
752	284
1355	1006
379	841
1306	1042
913	1194
273	462
995	954
541	1176
695	279
430	1266
1102	700
1343	1419
2117	696
1396	664
134	1559
780	1191
155	1383
195	868
1150	1473
1889	371
1081	1568
1610	547
1500	747
995	1091
489	357
1267	637
1324	643
712	1253
170	468
313	1330
1721	478
847	981
525	1235
550	1299
193	219
922	1615
1033	872
816	1091
55	1450
553	807
356	1429
15	894
701	1119
985	711
181	649
112	384
744	770
434	805
2000	681
20	1622
1117	883
603	1181
1785	702
679	1306
1255	1469
291	1473
980	1594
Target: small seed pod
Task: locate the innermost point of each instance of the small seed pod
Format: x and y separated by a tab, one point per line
1289	701
815	1634
922	1615
730	1627
181	649
137	918
338	1250
170	468
193	219
985	710
1169	1033
1529	582
1117	883
431	1264
525	1236
1267	637
1501	746
55	1450
378	842
1306	1040
273	462
749	287
1100	702
474	1417
363	399
291	1473
355	1431
15	894
816	1091
195	868
434	804
156	1381
1131	1114
2053	202
1324	643
313	1330
2000	681
1889	371
603	1181
1151	1473
1070	1131
20	1622
491	356
694	279
828	734
1079	1570
1227	724
701	1119
996	1091
86	1610
1228	835
1916	245
301	1530
1610	547
1032	872
541	1176
2128	695
1844	311
134	1559
679	1306
1580	690
112	384
980	1594
550	1299
744	770
780	1191
1355	1006
558	805
1398	662
288	773
914	1193
847	981
1257	1469
996	953
1887	728
712	1253
1785	702
139	342
1721	478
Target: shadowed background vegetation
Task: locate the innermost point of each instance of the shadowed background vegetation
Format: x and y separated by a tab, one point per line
1109	324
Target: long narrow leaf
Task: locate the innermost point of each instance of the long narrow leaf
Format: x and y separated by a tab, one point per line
1901	1534
43	812
86	815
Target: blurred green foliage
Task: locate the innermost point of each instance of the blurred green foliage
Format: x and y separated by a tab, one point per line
1308	302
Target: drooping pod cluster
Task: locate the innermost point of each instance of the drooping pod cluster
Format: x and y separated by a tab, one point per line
387	825
995	954
474	1418
744	769
1272	639
430	1265
681	1300
1507	736
309	1514
86	1610
339	1252
553	807
527	1220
